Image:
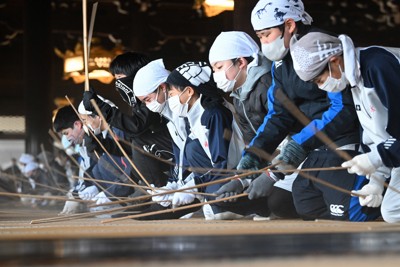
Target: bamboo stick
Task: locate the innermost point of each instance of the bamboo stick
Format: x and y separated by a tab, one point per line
174	209
110	131
42	197
87	214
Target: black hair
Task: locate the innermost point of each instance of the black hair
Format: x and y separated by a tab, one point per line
248	59
64	118
180	88
301	28
128	63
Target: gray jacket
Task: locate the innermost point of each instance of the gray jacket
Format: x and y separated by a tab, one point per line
250	101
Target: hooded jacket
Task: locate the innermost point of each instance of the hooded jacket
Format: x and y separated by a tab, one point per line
250	101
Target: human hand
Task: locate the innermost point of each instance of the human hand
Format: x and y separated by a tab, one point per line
291	156
231	188
88	193
184	197
164	199
364	164
101	198
260	187
372	191
250	163
70	207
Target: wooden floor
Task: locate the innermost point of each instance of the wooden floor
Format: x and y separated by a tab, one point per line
193	242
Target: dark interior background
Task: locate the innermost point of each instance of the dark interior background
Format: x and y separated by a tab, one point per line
31	74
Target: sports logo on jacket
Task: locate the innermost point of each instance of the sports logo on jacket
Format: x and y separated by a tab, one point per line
337	210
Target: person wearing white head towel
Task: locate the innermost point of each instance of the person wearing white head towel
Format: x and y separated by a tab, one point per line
373	74
275	22
150	88
25	159
146	131
241	70
214	141
38	183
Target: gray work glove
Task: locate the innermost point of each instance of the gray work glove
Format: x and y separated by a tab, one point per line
250	163
260	187
292	155
231	188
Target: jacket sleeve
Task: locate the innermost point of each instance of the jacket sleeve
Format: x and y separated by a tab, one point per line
113	149
276	125
332	123
133	125
383	75
218	125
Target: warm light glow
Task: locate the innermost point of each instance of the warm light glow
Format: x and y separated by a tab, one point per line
101	75
227	4
215	7
98	66
98	63
73	64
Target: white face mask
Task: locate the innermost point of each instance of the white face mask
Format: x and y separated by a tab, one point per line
155	106
96	131
334	85
275	50
222	82
175	105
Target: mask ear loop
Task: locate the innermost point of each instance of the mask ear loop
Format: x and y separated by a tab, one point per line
240	69
165	98
187	101
329	67
233	63
100	124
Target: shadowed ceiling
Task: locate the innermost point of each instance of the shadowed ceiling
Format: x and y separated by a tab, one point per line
170	29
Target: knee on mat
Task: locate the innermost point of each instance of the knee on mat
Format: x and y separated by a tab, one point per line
390	216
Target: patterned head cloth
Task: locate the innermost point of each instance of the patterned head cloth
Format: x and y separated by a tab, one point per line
312	52
196	75
231	45
124	87
149	77
272	13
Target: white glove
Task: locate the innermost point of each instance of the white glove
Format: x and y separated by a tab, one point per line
364	164
70	207
373	192
164	199
184	197
88	193
101	198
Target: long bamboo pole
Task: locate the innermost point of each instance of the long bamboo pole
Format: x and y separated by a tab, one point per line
110	131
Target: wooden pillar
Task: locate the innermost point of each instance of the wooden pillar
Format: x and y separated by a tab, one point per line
241	17
37	73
